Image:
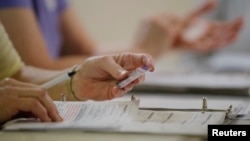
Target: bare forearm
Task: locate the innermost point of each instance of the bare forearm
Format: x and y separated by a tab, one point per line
44	78
35	75
66	62
41	77
76	40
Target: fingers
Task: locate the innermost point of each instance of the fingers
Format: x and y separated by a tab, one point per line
117	92
34	106
21	104
234	29
119	65
131	61
128	61
109	65
42	96
218	34
37	97
206	7
225	32
100	82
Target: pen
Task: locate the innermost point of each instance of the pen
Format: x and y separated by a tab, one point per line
55	81
60	78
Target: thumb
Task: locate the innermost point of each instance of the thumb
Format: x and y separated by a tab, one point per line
206	7
109	65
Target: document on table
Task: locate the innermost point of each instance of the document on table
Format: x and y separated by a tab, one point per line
85	115
174	122
123	117
241	111
220	83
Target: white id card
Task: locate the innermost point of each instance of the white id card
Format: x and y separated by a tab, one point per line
132	76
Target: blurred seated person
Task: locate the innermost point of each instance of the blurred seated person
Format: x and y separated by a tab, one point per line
50	32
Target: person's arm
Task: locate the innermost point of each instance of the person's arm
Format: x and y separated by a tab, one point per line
12	65
56	82
36	75
76	41
23	30
94	79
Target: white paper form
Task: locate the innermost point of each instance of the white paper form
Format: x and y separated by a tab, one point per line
241	111
96	112
179	117
174	122
124	117
87	115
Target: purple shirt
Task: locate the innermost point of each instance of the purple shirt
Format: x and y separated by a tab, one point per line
47	13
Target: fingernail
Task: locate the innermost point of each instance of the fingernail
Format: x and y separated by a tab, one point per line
148	61
118	93
149	64
59	118
123	72
49	119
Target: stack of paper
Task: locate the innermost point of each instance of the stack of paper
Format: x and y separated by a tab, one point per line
123	117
